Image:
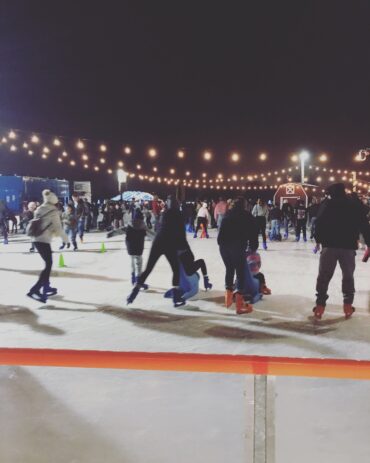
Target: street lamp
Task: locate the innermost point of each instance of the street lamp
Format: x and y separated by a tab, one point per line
303	156
122	178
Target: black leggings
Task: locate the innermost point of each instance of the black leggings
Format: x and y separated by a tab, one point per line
200	221
261	226
156	252
44	250
190	265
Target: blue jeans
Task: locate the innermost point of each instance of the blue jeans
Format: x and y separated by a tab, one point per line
71	233
81	227
275	228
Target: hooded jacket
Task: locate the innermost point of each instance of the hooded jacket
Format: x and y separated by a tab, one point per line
238	227
51	224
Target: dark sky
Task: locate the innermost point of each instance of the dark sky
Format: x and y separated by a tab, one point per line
249	76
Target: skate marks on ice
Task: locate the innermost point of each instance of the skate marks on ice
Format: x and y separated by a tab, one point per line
36	427
25	316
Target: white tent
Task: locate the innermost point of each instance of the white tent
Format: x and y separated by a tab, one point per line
138	195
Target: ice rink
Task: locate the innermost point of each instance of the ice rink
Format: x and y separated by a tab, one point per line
77	415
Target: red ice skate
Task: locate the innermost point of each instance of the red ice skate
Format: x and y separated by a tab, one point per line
348	310
318	311
228	298
241	306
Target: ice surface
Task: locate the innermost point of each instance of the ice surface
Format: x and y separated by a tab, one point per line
148	417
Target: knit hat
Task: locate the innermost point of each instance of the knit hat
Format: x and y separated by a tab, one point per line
49	197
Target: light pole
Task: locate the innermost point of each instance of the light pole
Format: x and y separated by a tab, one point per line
303	156
122	178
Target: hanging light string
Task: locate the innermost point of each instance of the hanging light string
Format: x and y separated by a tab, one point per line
33	144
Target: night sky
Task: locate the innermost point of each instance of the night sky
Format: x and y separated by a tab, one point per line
245	76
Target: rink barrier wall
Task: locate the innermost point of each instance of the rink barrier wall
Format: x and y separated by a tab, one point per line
183	362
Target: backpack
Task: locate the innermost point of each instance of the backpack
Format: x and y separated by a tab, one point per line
34	227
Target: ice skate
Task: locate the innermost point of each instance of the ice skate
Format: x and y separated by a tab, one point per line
265	290
37	296
133	279
207	284
318	311
228	298
143	286
348	310
133	294
241	306
297	238
47	290
195	235
177	298
265	246
61	246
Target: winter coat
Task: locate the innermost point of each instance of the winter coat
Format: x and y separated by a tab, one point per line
171	232
275	214
51	224
220	209
287	210
238	227
339	223
260	211
69	220
313	210
135	237
204	214
301	213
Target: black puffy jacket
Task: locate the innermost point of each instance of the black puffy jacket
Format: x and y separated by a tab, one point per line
238	227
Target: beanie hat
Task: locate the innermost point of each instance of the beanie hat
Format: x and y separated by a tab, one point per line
337	190
49	197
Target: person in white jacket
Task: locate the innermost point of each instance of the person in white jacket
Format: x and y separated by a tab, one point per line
260	212
50	226
203	218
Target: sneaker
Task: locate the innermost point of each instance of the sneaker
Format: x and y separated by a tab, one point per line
318	311
348	310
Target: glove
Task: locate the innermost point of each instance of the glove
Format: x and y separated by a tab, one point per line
366	255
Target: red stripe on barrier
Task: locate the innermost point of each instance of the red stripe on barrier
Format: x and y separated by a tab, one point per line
206	363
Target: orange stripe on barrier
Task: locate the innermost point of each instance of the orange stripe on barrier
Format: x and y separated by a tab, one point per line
205	363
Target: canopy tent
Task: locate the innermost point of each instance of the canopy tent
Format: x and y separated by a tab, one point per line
138	195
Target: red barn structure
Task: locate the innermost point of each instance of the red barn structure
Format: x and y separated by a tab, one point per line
293	192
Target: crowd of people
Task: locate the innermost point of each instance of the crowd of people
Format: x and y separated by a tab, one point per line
337	223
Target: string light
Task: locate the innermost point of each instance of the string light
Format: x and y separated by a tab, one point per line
263	157
73	163
13	148
181	154
80	145
323	157
56	142
30	152
45	149
4	140
103	148
152	153
120	164
64	154
155	169
25	145
85	157
127	150
207	155
12	135
35	139
102	160
172	171
294	157
235	157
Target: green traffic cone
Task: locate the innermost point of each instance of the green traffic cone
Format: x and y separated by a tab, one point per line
61	261
102	248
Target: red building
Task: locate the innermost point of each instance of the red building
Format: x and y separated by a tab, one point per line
292	192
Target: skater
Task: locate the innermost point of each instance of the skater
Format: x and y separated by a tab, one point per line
301	220
220	211
203	218
169	239
42	228
254	263
312	214
260	212
238	231
287	212
275	216
338	224
27	217
135	231
3	221
69	221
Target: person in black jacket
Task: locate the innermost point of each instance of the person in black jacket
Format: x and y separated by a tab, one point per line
301	220
339	222
312	214
288	212
238	230
3	221
169	239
